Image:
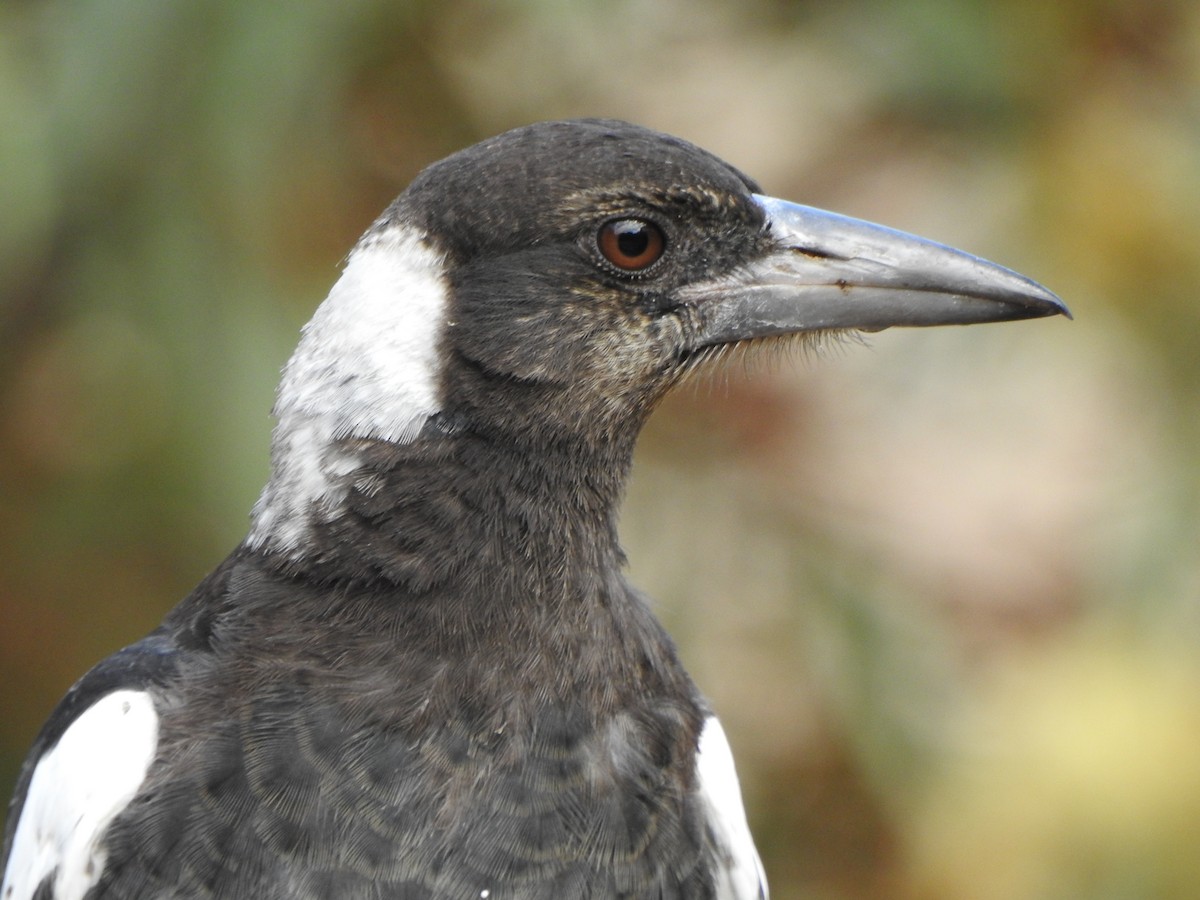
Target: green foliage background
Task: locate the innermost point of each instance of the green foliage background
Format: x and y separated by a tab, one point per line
944	591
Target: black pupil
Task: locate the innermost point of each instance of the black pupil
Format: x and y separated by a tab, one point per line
632	238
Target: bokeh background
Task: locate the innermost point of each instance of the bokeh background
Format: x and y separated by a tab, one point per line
942	588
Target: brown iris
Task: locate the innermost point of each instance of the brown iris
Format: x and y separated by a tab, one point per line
631	244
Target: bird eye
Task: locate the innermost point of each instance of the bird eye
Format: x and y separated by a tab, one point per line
631	244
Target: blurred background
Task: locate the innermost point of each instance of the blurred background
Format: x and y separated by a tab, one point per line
943	587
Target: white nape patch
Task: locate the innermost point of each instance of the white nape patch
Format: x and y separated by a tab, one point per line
742	877
367	366
77	789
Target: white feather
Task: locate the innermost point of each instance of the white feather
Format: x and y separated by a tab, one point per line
742	877
77	789
367	366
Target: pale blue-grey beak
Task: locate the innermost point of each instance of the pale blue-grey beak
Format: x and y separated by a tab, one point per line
833	272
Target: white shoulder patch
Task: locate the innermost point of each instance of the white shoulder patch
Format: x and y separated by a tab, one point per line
77	789
742	877
366	366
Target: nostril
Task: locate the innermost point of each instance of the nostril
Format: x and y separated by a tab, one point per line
816	253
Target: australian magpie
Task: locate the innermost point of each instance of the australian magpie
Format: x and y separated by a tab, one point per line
423	673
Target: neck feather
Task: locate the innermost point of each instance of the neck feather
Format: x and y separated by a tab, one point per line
367	367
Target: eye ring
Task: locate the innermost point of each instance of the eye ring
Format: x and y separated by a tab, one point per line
631	244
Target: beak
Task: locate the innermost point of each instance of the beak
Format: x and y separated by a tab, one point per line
828	271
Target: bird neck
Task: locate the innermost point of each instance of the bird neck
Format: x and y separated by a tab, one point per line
469	513
465	547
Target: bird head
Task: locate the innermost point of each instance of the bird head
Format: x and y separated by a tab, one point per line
547	286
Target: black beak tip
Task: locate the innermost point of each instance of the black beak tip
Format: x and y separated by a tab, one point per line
1048	304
